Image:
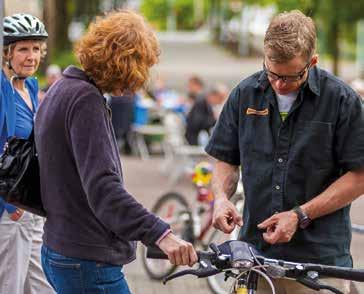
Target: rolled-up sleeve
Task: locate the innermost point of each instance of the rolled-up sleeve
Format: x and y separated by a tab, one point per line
349	147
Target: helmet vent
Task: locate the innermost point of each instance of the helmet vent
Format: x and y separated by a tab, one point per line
24	27
28	20
9	30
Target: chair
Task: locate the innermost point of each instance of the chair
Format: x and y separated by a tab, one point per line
140	131
180	157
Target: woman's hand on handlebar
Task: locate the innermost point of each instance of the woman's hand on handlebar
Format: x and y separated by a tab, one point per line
179	252
280	227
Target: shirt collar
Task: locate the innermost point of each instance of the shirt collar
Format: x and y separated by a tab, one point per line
75	72
313	81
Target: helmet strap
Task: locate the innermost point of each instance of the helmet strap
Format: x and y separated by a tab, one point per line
15	76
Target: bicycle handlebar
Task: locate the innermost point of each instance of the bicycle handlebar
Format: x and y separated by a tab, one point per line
336	272
243	256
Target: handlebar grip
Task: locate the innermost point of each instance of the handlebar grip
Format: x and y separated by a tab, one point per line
156	253
338	272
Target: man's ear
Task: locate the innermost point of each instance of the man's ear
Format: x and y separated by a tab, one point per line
314	60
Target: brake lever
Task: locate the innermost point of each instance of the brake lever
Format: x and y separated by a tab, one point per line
205	269
200	273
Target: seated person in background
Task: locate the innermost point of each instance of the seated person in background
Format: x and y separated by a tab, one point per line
218	95
122	108
195	89
203	115
53	73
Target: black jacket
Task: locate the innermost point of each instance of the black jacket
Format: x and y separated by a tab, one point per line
200	118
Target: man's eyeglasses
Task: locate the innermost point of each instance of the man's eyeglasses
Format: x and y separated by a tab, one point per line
288	79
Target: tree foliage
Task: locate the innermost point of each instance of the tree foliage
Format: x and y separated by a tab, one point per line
158	11
335	20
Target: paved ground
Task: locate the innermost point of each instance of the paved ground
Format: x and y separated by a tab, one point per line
145	180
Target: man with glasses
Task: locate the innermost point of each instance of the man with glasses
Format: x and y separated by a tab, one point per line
297	132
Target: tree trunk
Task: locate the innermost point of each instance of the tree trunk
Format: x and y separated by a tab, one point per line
49	15
334	32
62	20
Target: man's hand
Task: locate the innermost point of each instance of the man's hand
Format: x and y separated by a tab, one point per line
179	252
225	216
280	227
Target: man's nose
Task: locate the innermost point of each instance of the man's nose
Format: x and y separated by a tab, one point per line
280	83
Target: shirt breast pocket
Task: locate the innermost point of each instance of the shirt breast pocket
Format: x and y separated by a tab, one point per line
313	144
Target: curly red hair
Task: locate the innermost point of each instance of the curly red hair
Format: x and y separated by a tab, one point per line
117	51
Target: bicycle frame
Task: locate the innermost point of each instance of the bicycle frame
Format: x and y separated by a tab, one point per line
202	200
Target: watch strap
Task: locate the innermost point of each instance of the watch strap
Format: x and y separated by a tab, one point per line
303	219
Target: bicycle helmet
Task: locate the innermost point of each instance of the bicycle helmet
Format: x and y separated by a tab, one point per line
22	26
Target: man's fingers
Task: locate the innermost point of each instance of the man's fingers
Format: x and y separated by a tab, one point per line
271	237
221	223
227	226
238	220
268	222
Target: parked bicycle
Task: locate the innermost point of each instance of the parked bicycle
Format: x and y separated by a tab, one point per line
192	223
242	263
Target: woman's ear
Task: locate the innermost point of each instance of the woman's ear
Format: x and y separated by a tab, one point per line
7	54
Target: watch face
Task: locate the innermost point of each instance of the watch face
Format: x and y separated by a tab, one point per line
304	223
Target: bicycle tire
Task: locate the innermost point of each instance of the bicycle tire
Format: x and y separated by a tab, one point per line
158	269
216	283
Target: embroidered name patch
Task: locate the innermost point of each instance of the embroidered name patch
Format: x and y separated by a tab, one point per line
251	111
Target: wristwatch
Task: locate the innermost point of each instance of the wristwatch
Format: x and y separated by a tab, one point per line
303	219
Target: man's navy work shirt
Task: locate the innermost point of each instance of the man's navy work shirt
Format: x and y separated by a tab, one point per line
287	163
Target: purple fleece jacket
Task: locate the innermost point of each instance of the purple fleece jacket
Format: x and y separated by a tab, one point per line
90	215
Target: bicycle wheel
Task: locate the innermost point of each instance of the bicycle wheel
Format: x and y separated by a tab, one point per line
216	283
174	210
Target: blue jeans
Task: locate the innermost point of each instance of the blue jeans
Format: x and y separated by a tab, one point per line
78	276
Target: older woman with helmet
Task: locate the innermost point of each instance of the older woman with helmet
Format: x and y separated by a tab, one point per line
20	232
92	221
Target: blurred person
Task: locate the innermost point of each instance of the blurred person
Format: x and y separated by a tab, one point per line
122	108
218	95
53	73
202	116
20	231
297	132
92	221
195	88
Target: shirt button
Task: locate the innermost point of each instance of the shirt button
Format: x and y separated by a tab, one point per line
278	187
280	160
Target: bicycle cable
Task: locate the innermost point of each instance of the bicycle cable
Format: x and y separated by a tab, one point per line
259	272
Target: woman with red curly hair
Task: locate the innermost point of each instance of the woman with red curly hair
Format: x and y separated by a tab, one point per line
93	222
